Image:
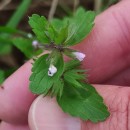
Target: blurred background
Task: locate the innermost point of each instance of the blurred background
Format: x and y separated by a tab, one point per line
14	23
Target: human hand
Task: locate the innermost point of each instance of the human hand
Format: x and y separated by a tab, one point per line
107	56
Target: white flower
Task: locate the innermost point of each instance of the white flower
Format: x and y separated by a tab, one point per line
35	43
52	70
80	56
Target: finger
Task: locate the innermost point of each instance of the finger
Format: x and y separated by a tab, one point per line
15	98
107	47
46	114
6	126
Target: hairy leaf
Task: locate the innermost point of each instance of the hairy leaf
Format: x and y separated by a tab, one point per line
57	88
69	78
63	34
40	81
57	24
80	26
85	103
76	74
72	64
39	25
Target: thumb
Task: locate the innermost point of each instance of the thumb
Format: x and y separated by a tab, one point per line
45	114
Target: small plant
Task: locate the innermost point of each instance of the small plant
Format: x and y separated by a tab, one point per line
11	37
51	75
66	81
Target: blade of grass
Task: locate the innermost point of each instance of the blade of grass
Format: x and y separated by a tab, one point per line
18	14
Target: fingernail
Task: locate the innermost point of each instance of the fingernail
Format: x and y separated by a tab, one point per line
45	114
72	123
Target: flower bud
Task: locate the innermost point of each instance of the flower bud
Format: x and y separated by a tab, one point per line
52	70
29	35
35	43
80	56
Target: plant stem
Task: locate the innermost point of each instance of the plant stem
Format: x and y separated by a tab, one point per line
97	5
76	3
53	9
4	3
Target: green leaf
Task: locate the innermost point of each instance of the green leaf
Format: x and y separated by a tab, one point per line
40	82
63	34
52	33
57	23
9	30
10	27
8	72
5	46
61	27
57	88
76	74
70	78
2	76
80	26
59	31
39	25
5	31
72	64
25	46
85	103
72	74
5	49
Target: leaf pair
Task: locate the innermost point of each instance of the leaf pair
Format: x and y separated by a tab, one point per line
46	32
67	32
85	103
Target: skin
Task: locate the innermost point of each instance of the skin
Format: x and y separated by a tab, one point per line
107	51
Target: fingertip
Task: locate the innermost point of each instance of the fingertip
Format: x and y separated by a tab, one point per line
107	47
46	114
